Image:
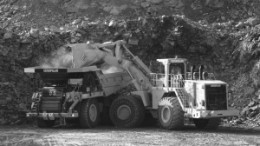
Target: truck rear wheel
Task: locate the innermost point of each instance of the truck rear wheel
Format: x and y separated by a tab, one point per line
127	111
41	123
89	115
209	124
171	115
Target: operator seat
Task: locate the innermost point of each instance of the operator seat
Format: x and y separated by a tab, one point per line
176	76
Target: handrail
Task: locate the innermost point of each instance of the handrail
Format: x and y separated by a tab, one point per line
177	81
210	76
158	79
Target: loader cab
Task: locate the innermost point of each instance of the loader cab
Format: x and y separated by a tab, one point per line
174	68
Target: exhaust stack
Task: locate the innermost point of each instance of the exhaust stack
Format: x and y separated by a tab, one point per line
200	72
192	71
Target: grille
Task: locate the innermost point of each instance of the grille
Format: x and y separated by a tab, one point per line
51	99
216	98
50	106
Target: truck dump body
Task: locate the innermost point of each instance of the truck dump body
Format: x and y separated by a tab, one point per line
109	83
39	69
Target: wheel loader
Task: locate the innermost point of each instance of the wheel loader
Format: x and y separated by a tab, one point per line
88	95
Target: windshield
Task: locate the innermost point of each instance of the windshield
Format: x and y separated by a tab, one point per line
176	68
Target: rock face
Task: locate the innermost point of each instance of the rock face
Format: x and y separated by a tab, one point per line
205	32
41	13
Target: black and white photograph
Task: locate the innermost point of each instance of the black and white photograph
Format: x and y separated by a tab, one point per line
129	72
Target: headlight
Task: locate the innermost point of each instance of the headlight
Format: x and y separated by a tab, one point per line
203	103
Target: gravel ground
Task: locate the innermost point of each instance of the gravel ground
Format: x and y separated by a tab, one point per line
32	136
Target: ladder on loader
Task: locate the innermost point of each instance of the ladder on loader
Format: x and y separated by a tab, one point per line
183	96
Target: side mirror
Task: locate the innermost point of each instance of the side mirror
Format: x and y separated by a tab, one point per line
205	75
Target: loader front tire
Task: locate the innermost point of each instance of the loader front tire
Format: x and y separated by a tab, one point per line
89	116
127	112
171	115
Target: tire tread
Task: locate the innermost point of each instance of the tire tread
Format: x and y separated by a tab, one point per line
135	104
177	118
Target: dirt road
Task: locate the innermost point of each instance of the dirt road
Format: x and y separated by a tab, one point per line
32	136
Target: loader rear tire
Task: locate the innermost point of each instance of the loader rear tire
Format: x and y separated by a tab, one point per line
171	115
89	116
41	123
207	124
127	112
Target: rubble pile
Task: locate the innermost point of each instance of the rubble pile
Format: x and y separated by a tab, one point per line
250	115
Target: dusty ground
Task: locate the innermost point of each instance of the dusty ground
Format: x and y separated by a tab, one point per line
32	136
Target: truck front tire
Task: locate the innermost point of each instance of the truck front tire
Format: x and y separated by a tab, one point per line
89	115
171	115
127	112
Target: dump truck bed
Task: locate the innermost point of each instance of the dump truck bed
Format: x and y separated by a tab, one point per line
110	83
39	69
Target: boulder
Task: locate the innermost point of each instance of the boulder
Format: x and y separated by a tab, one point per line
215	3
34	32
155	1
75	22
176	4
115	11
145	4
253	21
8	35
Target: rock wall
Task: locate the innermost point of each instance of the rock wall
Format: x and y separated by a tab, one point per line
24	14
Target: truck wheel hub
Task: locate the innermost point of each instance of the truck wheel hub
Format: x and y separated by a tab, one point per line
92	112
123	112
165	114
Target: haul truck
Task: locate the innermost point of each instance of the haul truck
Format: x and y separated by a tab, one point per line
84	92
